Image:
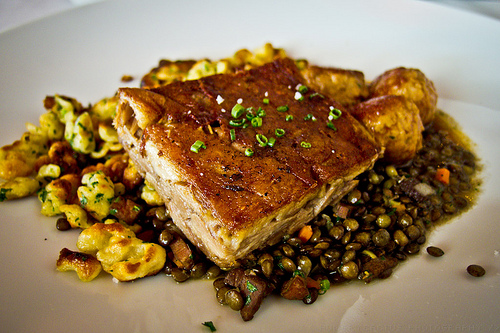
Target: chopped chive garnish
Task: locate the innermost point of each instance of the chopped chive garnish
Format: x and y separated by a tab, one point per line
271	142
261	139
265	101
249	152
331	125
283	108
195	148
334	113
289	117
303	89
237	110
257	122
304	144
297	272
298	96
237	122
324	286
261	112
308	117
316	95
279	132
232	134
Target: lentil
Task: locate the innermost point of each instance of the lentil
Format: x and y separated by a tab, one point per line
476	270
234	299
219	283
62	224
349	270
435	251
221	294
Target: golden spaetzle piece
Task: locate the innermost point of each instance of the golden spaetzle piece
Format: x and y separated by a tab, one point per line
86	266
121	254
18	187
96	194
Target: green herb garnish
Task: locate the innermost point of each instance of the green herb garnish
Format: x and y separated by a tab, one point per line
251	288
195	148
256	122
237	110
304	144
303	89
324	286
331	126
210	325
3	194
279	132
237	122
334	113
261	139
271	142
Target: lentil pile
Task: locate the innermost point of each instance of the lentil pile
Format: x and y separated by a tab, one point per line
381	222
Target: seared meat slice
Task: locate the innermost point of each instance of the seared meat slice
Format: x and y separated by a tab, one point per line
257	174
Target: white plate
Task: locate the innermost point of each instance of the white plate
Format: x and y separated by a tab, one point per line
84	52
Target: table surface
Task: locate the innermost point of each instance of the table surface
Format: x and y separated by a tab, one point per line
17	12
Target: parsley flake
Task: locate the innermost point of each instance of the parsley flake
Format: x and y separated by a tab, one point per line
210	325
251	287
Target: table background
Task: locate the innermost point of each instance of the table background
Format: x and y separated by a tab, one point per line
17	12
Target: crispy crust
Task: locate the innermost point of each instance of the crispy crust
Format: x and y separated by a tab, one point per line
227	203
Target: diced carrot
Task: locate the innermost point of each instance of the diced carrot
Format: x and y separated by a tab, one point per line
443	175
305	233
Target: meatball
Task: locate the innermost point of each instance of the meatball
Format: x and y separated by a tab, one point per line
347	87
395	124
410	83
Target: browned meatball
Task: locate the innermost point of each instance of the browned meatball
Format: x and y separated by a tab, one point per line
410	83
395	123
347	87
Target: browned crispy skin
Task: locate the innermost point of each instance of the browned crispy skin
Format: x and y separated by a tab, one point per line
240	189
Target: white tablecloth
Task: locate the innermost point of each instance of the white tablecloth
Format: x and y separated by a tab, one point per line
16	12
